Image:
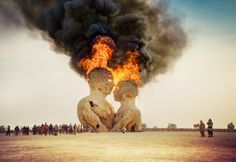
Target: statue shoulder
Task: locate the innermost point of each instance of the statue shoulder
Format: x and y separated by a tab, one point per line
83	103
137	109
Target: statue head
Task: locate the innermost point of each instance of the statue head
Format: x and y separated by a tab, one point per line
101	79
125	90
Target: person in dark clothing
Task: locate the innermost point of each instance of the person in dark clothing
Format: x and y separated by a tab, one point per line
24	131
17	129
27	130
34	130
75	128
45	129
210	128
50	129
55	130
70	129
202	128
8	132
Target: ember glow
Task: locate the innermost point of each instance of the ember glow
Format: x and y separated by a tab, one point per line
101	53
130	70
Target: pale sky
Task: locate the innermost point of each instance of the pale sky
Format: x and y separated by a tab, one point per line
37	84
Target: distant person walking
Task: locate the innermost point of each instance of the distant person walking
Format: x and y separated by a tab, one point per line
8	132
202	128
210	128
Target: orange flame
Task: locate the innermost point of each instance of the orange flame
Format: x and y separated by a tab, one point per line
101	53
130	70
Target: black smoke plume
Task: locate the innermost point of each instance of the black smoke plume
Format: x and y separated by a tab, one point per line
72	25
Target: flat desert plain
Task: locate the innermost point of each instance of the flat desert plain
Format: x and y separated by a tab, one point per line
143	146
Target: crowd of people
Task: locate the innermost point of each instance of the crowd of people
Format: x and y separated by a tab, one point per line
45	129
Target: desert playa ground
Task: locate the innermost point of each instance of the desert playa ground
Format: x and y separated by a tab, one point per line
144	146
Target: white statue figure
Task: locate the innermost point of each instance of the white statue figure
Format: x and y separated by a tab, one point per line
128	115
94	111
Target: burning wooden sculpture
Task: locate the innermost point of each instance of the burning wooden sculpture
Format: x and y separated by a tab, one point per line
94	111
128	115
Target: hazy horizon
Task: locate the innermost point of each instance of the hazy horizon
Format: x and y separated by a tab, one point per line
38	85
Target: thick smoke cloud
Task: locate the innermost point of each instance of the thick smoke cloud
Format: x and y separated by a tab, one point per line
72	25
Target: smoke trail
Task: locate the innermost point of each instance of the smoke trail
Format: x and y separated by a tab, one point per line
72	25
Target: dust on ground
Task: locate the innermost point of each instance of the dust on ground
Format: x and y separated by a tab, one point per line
143	146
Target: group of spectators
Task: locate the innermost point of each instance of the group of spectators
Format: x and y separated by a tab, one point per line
45	129
209	128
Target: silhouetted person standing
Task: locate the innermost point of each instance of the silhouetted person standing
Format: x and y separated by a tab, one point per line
8	132
210	128
202	128
34	130
17	129
50	129
55	130
75	128
70	129
45	129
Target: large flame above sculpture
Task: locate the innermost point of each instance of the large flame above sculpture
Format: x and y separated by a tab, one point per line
129	70
101	53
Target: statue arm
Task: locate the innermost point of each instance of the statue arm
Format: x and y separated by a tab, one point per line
123	121
104	112
88	117
99	112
